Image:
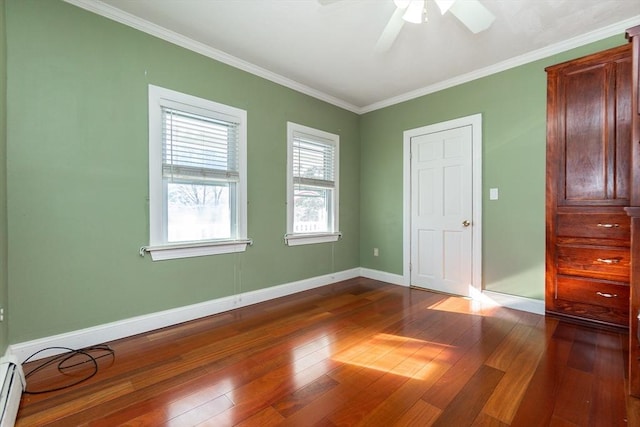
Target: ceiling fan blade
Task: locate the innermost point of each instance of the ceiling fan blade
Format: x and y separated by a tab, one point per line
473	15
390	32
444	5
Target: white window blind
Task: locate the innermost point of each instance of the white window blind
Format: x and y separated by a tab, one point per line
198	148
313	161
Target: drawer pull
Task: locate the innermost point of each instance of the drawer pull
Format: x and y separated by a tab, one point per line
608	225
606	295
609	260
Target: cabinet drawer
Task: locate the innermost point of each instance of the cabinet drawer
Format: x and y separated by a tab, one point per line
594	225
594	292
598	313
607	263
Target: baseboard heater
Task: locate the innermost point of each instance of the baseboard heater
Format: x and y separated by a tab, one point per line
13	384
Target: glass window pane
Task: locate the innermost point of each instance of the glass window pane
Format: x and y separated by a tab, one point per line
198	212
311	209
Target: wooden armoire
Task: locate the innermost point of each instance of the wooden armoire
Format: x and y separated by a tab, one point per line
588	188
633	34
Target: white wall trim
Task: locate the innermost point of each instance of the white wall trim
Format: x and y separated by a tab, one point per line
132	21
486	297
383	276
599	34
149	322
475	121
515	302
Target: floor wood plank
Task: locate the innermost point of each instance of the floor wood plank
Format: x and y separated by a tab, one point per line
359	352
465	407
575	394
421	414
538	403
504	402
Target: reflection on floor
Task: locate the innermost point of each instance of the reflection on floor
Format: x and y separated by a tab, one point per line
359	352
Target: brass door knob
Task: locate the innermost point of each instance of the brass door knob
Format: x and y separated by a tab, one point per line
466	223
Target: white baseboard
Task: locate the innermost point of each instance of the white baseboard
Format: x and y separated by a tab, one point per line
383	276
530	305
149	322
495	298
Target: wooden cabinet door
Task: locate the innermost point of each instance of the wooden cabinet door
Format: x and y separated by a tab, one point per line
592	111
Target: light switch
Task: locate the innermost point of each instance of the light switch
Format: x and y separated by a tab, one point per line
493	194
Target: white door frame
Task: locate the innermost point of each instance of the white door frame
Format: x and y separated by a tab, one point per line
475	121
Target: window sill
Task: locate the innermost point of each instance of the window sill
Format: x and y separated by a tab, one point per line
195	249
309	239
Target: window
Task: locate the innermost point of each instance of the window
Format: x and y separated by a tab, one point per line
197	176
312	185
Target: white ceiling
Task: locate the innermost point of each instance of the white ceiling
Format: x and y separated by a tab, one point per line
327	48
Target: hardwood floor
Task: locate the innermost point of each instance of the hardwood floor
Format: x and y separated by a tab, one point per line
359	352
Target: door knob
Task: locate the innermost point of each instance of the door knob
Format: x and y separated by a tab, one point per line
466	223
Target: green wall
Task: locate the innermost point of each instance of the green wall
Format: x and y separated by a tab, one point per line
74	208
4	285
513	105
77	171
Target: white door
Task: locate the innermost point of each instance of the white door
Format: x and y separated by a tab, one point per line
442	210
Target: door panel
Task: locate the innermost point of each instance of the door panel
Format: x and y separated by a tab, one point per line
454	190
426	255
454	257
441	201
427	182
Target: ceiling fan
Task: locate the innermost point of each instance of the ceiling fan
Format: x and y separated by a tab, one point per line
473	14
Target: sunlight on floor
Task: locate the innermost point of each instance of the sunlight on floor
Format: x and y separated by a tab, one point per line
481	305
408	357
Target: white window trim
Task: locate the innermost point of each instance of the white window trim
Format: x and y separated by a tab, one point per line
297	239
160	250
294	239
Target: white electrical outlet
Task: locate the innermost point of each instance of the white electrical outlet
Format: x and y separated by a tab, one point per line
376	252
493	194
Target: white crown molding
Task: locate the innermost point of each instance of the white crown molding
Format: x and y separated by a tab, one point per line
132	21
593	36
110	12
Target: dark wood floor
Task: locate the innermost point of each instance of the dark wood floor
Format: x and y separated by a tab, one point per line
359	352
